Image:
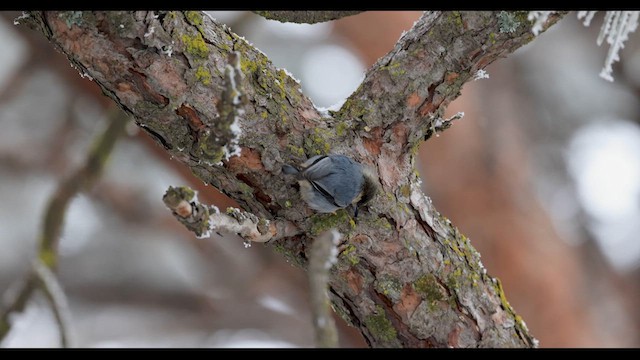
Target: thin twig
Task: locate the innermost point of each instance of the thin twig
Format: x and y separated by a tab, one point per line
322	256
49	284
202	219
79	181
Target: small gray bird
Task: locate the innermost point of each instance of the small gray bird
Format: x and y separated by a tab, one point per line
332	182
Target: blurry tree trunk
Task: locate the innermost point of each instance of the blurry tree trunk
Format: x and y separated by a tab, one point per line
407	277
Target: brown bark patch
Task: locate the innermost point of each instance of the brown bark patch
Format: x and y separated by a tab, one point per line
354	281
409	301
451	77
249	159
374	143
413	100
189	114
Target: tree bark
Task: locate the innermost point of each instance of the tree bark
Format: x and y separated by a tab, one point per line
305	17
406	277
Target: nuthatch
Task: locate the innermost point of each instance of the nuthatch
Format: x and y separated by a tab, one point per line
332	182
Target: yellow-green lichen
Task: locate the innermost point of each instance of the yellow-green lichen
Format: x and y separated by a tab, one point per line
457	250
427	286
349	253
194	17
248	65
341	128
322	222
264	115
379	326
492	38
456	18
405	190
316	142
245	189
497	285
287	204
354	109
389	286
212	153
195	45
296	150
203	75
383	223
170	15
394	69
454	279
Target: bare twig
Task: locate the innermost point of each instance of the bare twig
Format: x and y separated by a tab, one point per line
81	180
77	182
322	256
305	17
49	284
202	219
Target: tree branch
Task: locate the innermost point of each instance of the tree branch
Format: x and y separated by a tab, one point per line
202	219
305	17
56	209
49	284
428	67
407	277
322	256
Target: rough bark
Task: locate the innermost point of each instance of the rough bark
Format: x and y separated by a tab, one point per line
305	17
407	277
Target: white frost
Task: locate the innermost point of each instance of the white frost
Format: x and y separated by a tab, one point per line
24	15
333	255
324	111
616	28
541	18
481	74
168	51
150	32
587	15
290	75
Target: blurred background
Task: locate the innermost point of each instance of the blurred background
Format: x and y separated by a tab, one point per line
542	174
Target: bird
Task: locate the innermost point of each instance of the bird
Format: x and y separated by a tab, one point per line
332	182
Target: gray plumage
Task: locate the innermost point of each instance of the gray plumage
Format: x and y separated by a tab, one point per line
329	183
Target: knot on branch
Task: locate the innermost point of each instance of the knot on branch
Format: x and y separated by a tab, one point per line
201	219
195	216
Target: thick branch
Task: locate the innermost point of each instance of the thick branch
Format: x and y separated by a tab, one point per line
411	85
407	277
305	17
